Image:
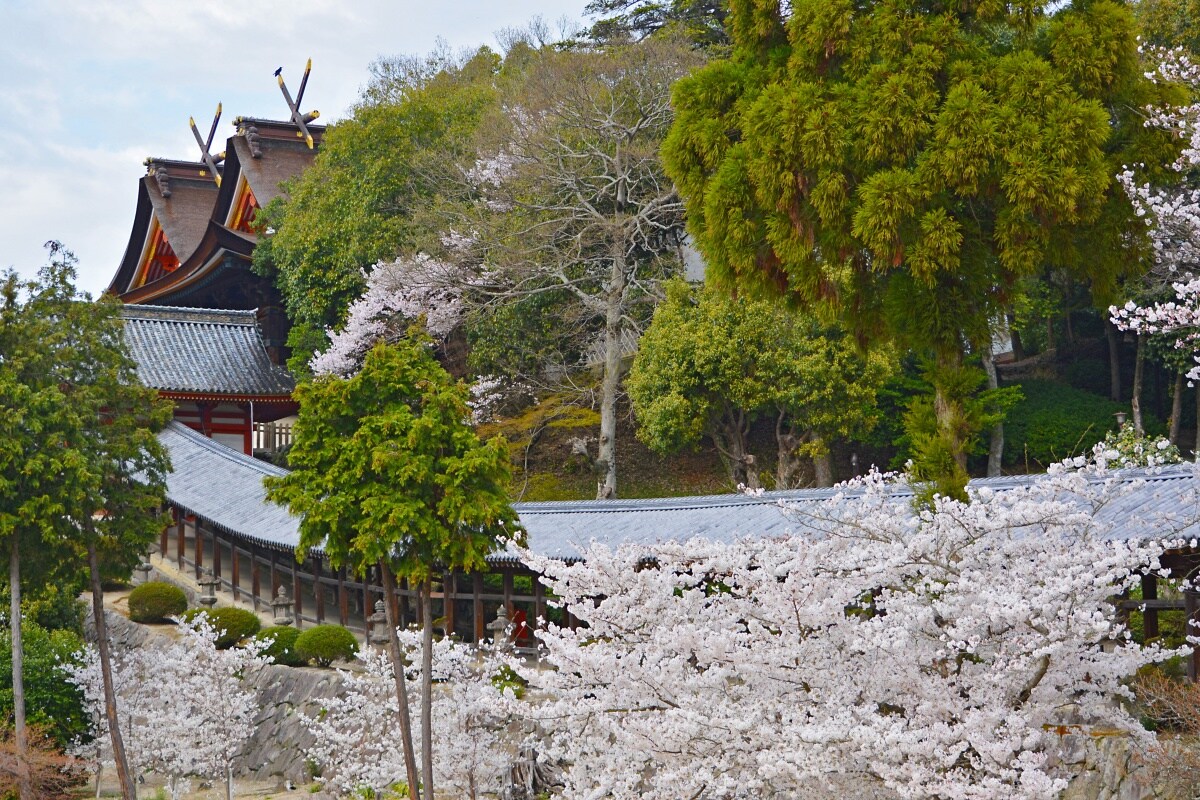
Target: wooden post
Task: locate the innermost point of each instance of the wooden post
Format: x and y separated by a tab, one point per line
199	547
318	590
477	605
1150	615
180	539
274	574
539	603
162	537
508	592
402	587
448	601
1191	604
216	558
255	575
343	600
298	597
234	568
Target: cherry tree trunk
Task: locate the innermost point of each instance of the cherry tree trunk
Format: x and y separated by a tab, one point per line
406	737
1114	361
730	439
427	690
787	465
996	444
1177	407
20	740
128	789
1135	398
606	457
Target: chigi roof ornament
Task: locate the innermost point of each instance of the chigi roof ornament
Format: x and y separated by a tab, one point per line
206	145
300	119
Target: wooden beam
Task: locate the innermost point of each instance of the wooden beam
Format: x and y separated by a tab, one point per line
508	592
297	595
1150	615
539	603
180	539
274	574
448	601
199	547
343	600
216	558
318	590
255	575
477	605
234	568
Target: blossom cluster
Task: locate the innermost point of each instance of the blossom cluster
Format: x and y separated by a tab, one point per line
1127	448
398	294
184	708
356	736
928	652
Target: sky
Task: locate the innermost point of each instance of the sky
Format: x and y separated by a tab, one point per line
90	88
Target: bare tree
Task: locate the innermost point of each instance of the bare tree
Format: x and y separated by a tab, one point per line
569	195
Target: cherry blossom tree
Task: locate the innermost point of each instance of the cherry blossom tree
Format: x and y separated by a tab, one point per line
357	743
931	652
197	727
398	294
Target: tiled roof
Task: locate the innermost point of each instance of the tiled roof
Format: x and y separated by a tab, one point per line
202	351
225	486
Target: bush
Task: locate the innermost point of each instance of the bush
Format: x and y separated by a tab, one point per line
325	644
156	601
51	702
1055	421
231	624
281	645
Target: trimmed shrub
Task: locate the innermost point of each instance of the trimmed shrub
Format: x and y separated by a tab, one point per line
281	644
1055	421
231	624
156	601
325	644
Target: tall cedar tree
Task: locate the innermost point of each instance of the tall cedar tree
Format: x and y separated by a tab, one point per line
81	472
907	162
387	471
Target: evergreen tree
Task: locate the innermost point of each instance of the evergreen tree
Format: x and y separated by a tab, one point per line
387	471
907	162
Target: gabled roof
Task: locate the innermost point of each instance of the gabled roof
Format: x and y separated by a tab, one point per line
211	480
180	198
202	352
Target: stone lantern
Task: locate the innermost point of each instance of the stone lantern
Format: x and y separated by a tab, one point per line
208	589
377	626
281	605
499	630
1120	415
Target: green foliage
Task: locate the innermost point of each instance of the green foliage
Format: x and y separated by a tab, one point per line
936	440
51	702
232	625
701	22
325	644
1127	448
1055	421
156	601
1169	23
710	363
354	205
282	644
1088	375
507	679
906	169
386	469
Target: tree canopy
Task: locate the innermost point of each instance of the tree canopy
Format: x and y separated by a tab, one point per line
710	364
907	164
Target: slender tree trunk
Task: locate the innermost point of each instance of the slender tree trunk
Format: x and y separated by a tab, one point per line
606	457
787	466
1015	336
406	737
730	438
427	690
1114	361
1135	398
18	680
949	409
229	782
996	445
822	462
1196	448
1177	407
128	788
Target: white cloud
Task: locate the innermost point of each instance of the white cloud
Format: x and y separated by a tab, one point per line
94	86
